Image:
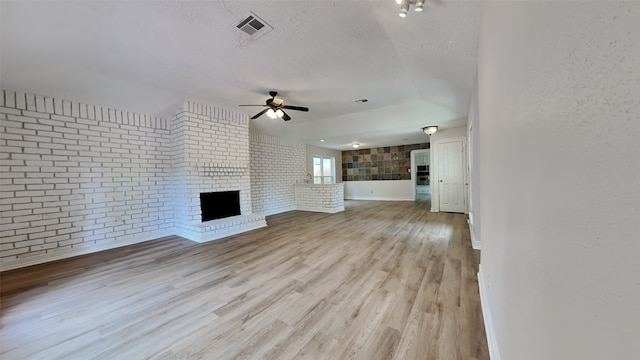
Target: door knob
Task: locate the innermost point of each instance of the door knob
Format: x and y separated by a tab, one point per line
440	180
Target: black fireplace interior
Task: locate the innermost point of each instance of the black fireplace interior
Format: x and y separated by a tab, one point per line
218	205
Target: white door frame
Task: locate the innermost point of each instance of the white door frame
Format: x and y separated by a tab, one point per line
414	172
435	180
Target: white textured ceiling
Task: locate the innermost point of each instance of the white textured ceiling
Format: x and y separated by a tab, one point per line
146	56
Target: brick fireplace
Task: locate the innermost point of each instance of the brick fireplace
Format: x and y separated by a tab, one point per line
210	153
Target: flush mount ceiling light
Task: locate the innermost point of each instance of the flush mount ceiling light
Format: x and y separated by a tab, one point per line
430	130
356	145
405	4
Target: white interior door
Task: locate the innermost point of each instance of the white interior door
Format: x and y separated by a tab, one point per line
451	176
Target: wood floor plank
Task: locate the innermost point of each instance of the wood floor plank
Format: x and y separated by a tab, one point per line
319	347
381	280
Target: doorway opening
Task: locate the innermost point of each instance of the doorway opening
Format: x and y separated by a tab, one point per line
421	167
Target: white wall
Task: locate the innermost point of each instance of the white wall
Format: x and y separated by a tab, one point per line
397	190
319	151
276	165
559	143
459	131
474	167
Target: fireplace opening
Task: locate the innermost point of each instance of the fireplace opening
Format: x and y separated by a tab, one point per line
218	205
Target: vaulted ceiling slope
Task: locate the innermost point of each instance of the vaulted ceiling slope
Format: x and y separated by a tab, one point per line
145	56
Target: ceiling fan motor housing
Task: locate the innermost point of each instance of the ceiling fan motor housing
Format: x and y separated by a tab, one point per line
276	105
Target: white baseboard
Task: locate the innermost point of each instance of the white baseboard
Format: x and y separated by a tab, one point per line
382	198
475	244
494	353
10	264
323	210
299	208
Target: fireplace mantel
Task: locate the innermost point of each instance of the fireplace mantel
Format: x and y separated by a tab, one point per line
221	169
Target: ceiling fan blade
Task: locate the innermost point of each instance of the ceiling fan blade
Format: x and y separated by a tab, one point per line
299	108
259	114
285	117
251	105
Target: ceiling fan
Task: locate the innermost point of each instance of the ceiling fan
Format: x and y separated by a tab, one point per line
275	108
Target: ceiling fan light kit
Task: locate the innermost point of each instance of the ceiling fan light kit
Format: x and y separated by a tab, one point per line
274	108
406	4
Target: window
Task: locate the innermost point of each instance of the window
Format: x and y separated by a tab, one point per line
324	170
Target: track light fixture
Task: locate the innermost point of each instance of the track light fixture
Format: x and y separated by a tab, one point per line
405	4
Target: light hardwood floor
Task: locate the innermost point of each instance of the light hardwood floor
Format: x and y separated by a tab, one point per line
382	280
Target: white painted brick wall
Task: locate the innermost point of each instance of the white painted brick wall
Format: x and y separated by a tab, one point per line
78	176
276	165
322	198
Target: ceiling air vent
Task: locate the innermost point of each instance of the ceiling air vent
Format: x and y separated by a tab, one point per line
253	26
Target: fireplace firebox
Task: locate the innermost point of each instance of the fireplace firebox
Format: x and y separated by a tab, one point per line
220	204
